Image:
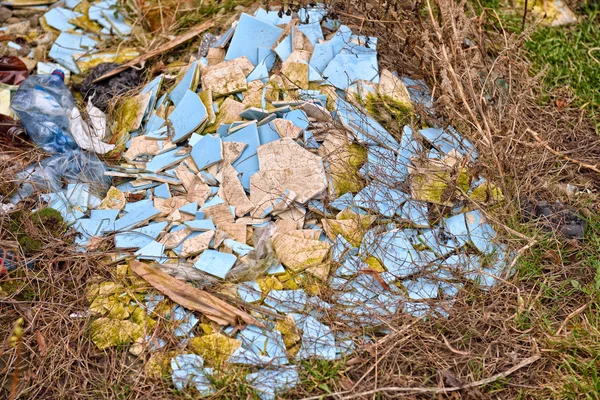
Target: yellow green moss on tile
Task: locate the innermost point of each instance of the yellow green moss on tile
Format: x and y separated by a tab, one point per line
214	348
108	332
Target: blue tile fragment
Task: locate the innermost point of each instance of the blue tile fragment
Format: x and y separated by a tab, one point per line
380	198
270	383
208	151
212	202
342	202
139	237
178	92
418	91
165	160
187	116
249	292
366	129
129	207
312	14
286	300
88	228
67	45
346	69
137	217
312	31
446	140
58	18
215	263
253	113
247	163
152	87
415	212
342	249
298	118
481	233
105	215
284	48
241	249
325	52
267	56
250	34
200	225
440	242
267	133
190	208
272	17
260	73
276	270
224	38
162	191
188	370
153	251
186	321
264	342
317	341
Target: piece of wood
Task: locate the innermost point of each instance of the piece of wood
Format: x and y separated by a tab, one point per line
153	53
192	298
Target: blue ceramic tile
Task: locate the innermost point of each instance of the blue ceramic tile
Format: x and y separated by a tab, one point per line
187	116
249	292
346	69
208	151
179	91
312	31
250	34
165	160
284	48
58	18
140	237
215	263
162	191
270	383
153	251
380	199
248	161
187	370
137	217
317	341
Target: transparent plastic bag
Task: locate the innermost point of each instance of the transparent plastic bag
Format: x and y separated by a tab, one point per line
51	173
259	260
43	104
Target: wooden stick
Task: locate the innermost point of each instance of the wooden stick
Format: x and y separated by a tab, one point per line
153	53
558	154
524	15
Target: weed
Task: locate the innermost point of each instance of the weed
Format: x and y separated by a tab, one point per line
321	375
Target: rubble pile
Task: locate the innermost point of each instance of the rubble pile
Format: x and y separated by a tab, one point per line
261	172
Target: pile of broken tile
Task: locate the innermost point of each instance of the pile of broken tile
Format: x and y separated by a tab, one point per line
70	32
260	170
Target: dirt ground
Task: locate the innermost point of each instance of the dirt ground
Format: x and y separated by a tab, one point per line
536	335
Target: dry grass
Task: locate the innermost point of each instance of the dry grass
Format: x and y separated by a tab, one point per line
484	90
536	334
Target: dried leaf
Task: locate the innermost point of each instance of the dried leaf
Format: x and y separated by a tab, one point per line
192	298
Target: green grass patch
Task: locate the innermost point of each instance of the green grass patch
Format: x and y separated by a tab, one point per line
568	55
568	58
561	290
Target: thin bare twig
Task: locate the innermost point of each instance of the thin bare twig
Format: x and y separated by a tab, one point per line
559	154
434	390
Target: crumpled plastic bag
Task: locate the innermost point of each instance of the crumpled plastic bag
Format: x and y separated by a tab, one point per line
90	135
51	172
259	260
